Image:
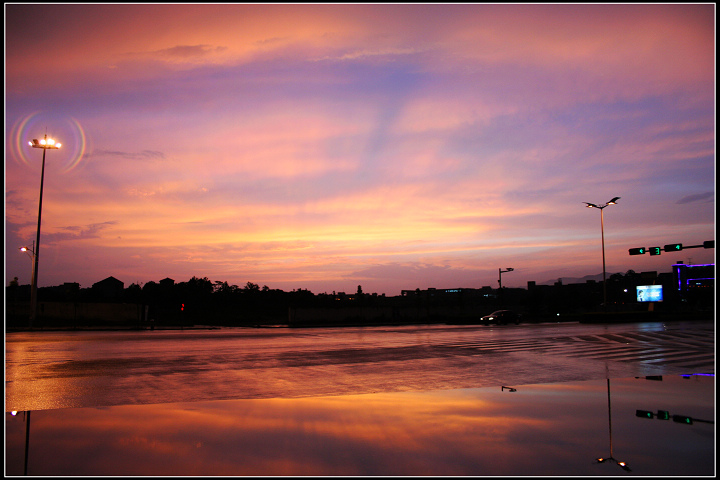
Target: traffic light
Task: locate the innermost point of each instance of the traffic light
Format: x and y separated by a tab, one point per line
637	251
663	415
643	414
709	244
655	250
673	247
682	419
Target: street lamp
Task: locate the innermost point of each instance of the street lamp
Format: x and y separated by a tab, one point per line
29	250
31	253
45	144
500	272
602	235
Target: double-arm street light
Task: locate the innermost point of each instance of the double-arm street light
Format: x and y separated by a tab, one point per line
46	144
602	235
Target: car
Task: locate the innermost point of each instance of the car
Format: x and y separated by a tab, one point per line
501	317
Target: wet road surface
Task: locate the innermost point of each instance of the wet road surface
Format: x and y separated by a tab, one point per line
50	370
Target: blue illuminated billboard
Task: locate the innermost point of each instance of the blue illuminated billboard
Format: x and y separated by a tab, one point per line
649	293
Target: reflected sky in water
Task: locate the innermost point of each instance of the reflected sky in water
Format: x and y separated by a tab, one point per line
544	429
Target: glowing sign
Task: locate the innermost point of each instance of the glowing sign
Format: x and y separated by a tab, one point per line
649	293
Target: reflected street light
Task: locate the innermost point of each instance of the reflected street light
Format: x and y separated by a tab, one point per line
622	465
602	235
45	144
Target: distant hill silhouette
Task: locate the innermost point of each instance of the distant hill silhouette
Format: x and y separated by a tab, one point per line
568	280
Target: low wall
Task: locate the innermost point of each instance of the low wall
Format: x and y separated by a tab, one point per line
73	314
374	315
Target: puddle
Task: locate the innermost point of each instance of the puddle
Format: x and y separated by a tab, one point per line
532	430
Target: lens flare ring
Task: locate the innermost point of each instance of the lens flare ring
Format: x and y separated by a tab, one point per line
64	129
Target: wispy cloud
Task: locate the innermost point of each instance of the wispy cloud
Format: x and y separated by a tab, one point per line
142	155
189	51
706	197
76	233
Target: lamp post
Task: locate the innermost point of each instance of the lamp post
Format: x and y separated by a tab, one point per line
500	272
602	236
31	253
45	144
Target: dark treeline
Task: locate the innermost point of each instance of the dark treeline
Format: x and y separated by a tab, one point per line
200	301
196	300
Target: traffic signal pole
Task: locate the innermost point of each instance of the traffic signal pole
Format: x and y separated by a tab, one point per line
672	247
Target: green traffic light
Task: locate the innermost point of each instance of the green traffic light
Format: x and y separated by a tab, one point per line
643	414
637	251
682	419
663	415
673	247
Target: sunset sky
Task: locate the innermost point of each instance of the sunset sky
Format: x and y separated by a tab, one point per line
329	146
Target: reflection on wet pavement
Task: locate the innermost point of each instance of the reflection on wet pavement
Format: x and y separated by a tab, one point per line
538	429
51	370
